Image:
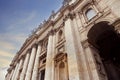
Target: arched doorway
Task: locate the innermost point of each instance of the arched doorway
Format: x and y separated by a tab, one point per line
107	41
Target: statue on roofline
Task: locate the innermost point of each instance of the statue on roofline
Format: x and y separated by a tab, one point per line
65	2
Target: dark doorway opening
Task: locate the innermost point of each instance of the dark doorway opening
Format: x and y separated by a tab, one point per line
42	74
104	38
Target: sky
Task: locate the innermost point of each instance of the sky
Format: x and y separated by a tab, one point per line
17	19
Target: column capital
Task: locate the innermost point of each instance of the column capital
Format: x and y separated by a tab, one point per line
70	15
29	50
34	45
23	57
40	42
51	32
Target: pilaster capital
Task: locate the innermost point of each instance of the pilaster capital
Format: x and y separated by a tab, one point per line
70	15
51	32
20	59
29	51
34	45
23	56
40	42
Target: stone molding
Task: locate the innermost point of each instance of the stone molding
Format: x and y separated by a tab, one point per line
60	57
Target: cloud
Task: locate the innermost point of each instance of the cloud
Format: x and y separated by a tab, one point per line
11	41
19	37
5	60
4	63
7	45
6	54
3	72
30	16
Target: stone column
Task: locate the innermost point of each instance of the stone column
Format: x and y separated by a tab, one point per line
31	63
14	74
49	58
76	58
25	65
11	74
36	65
53	54
18	70
82	61
71	51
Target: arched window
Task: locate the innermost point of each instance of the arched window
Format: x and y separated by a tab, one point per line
90	13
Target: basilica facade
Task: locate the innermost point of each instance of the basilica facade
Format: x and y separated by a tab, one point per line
81	41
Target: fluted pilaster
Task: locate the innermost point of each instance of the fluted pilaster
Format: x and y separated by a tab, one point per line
49	64
31	63
11	75
18	70
14	74
71	48
25	65
35	69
